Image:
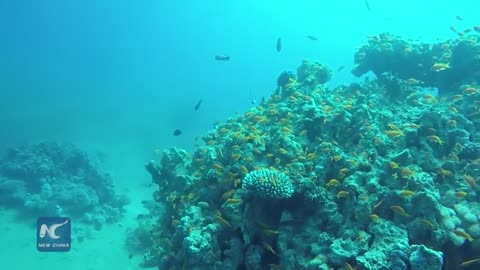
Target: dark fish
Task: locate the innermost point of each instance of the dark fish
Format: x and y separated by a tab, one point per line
279	44
312	37
367	4
222	57
197	106
177	132
340	68
459	18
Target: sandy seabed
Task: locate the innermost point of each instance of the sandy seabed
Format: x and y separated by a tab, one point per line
105	249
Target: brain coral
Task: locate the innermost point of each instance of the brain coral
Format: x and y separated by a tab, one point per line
268	183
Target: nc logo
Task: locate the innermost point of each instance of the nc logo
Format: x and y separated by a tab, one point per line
54	234
44	229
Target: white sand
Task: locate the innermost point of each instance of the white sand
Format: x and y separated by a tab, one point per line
106	250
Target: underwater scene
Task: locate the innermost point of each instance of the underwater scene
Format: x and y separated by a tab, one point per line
251	135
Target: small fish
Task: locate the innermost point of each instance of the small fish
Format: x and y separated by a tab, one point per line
221	220
399	210
467	263
461	194
342	194
463	235
427	223
470	180
279	44
440	66
269	248
333	183
340	68
314	38
177	132
222	57
367	5
271	232
228	194
393	165
197	106
435	139
377	205
234	201
459	18
413	81
406	193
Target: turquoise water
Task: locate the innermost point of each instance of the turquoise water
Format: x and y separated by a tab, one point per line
119	77
133	71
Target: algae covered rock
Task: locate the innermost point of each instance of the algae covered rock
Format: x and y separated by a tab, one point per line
445	64
58	179
423	258
388	236
313	73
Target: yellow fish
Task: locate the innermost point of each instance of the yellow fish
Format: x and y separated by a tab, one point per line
467	263
399	210
440	66
406	193
333	183
342	194
463	234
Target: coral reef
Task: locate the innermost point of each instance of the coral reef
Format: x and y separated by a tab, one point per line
378	175
53	179
285	78
313	73
445	65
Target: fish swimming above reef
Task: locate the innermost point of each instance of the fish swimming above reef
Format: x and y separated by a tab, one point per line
177	132
222	57
314	38
367	5
197	106
440	66
279	44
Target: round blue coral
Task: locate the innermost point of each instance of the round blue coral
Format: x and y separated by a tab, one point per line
268	183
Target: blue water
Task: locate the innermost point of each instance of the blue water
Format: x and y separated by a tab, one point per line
120	76
131	71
